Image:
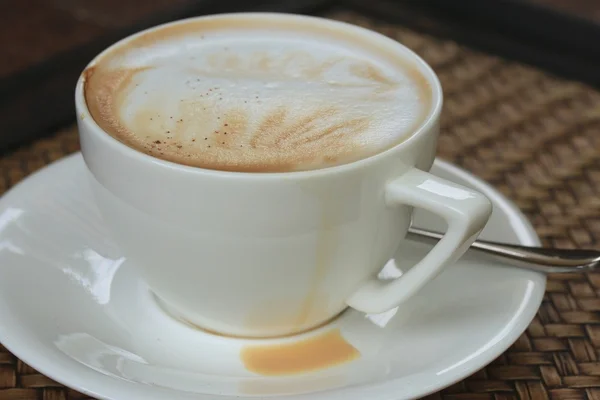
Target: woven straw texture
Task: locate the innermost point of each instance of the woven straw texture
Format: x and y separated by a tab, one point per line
533	136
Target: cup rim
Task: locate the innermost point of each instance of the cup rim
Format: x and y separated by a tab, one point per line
85	117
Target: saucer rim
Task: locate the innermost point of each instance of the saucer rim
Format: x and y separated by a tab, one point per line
108	388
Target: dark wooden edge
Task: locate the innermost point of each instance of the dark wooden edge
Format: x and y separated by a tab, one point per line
38	100
537	22
466	25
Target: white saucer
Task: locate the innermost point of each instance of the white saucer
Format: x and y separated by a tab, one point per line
73	309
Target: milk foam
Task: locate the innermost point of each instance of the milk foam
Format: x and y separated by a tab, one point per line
255	100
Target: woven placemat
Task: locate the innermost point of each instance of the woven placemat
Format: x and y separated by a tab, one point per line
533	136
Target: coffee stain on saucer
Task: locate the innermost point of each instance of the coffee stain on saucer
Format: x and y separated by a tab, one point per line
315	353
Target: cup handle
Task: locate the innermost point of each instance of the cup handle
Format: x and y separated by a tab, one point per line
466	213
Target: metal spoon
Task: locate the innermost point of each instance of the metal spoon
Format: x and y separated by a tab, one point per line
538	259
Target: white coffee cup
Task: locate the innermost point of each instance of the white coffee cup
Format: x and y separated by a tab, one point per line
269	254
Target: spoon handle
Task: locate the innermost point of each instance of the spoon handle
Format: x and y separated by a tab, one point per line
540	259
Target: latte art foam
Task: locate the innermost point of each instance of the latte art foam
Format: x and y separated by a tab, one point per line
255	97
